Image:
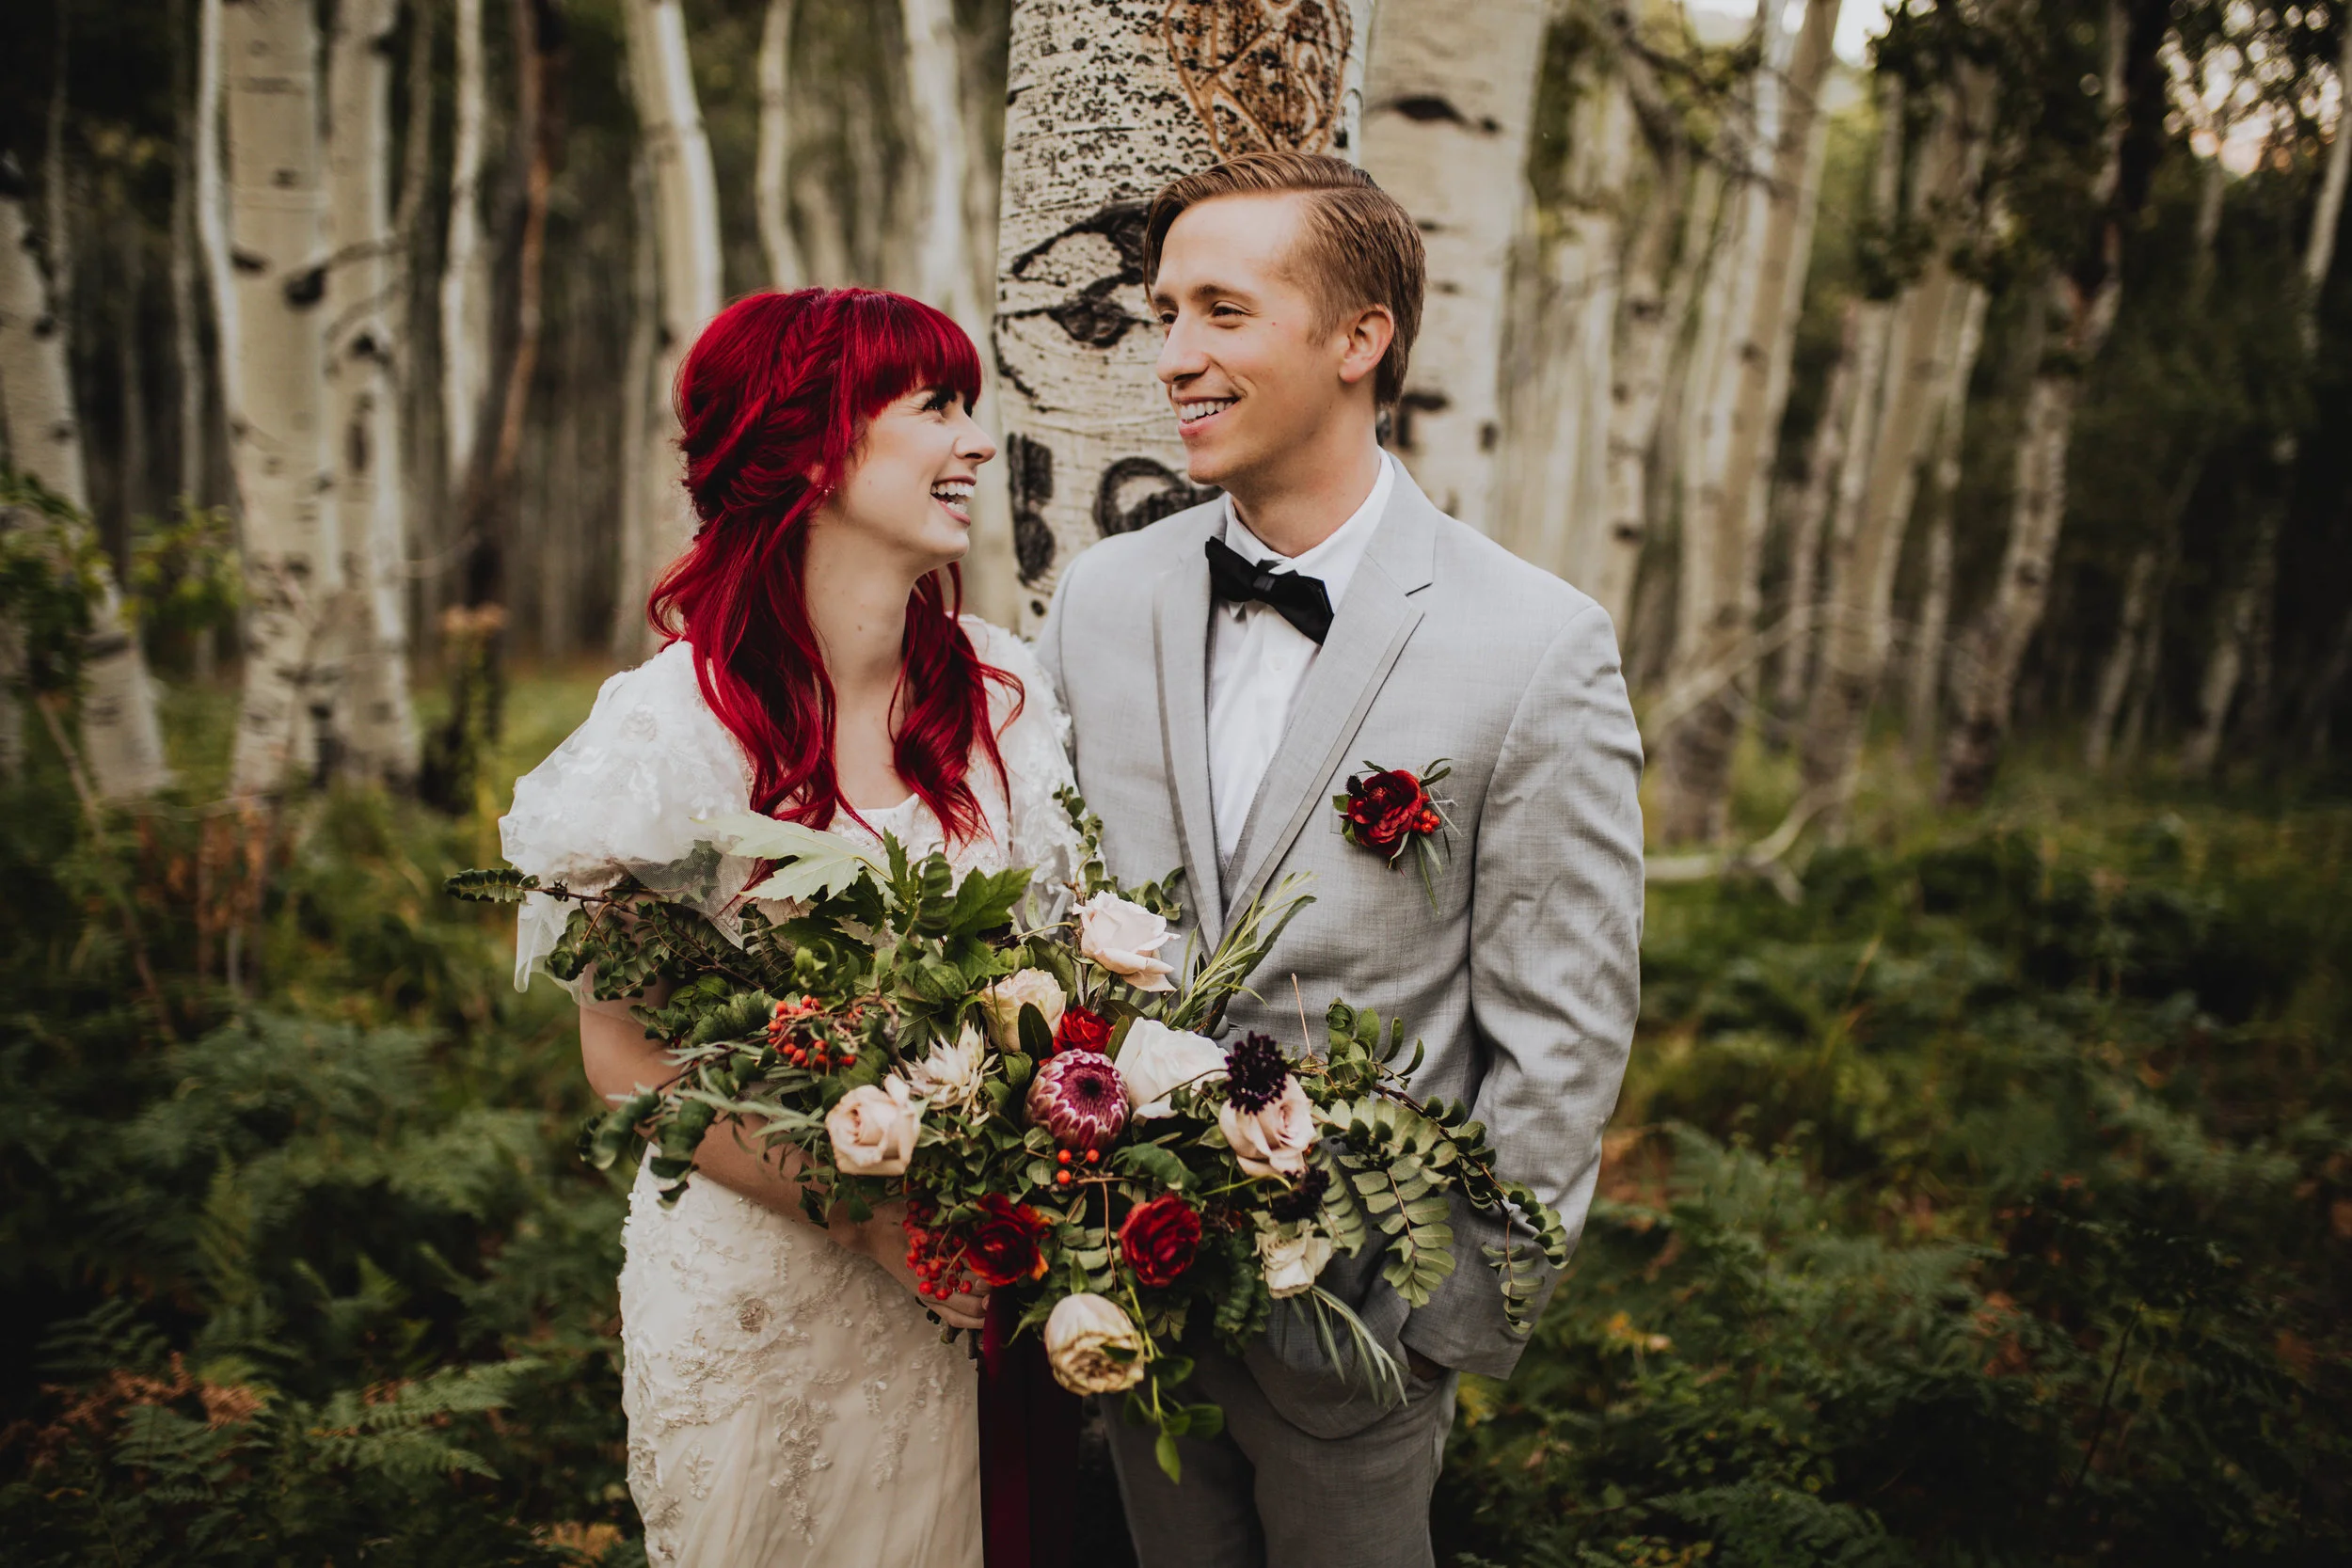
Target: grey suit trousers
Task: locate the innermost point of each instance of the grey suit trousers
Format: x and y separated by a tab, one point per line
1265	1495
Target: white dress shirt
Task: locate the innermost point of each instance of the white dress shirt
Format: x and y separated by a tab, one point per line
1258	661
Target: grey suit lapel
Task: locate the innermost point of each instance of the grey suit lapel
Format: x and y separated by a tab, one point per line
1375	621
1180	640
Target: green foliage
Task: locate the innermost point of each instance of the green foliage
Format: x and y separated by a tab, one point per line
184	573
52	571
1980	1208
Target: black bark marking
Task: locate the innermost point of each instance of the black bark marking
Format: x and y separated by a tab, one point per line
1412	404
1426	109
1136	492
1029	477
1091	313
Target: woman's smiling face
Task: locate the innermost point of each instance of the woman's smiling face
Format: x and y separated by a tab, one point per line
910	480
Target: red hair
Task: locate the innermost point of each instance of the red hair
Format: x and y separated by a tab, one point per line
772	400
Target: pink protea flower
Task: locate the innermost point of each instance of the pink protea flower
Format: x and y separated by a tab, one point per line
1078	1098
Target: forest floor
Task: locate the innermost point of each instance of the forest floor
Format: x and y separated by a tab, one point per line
1990	1203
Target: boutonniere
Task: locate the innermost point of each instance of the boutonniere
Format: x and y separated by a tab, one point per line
1391	812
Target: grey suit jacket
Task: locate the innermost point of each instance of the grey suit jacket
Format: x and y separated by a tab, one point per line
1523	981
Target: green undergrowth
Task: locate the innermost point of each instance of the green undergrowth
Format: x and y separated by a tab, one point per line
1989	1205
1993	1204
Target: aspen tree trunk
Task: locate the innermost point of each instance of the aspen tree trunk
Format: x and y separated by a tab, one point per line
123	745
1553	464
946	277
2084	306
772	177
685	204
1936	598
273	364
1649	321
1720	544
1107	101
464	263
1862	589
130	374
641	419
423	492
2225	666
1809	513
190	384
1449	96
378	730
2115	674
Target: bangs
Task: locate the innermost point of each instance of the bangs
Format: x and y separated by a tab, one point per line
895	344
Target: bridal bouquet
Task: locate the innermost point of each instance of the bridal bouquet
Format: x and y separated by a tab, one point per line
1045	1101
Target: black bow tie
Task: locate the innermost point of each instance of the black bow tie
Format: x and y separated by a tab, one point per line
1300	600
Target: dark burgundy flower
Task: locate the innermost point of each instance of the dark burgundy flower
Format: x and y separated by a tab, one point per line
1255	1072
1001	1245
1160	1239
1305	1199
1082	1029
1078	1098
1384	807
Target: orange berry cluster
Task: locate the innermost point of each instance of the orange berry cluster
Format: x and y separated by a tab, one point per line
1063	1176
936	1258
793	1032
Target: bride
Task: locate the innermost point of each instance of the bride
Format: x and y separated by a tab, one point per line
788	1400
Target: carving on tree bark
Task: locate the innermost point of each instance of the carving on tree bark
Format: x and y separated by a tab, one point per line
1136	492
1263	74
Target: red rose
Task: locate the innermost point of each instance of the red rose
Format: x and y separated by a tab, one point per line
1384	807
1160	1239
1001	1246
1082	1029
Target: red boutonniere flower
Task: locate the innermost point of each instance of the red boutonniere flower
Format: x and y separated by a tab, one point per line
1390	811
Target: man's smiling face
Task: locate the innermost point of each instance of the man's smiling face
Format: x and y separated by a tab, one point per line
1252	360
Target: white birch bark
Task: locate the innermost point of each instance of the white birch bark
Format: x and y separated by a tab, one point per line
1107	101
2226	665
272	366
1925	675
122	745
771	176
465	261
640	419
1854	647
1808	519
686	203
2115	672
1655	302
1450	93
377	723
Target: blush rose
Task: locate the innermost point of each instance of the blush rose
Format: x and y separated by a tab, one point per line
873	1129
1124	937
1274	1139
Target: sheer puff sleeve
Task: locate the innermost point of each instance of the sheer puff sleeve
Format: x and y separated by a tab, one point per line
1034	743
625	793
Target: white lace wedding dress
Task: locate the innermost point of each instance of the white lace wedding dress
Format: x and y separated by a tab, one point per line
788	1403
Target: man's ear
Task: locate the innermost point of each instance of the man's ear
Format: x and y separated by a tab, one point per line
1369	332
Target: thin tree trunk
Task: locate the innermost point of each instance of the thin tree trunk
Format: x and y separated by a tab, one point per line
771	181
424	492
1855	647
1936	598
1107	100
1809	513
122	743
465	263
376	731
1648	324
642	412
2115	674
2227	664
686	201
273	379
190	384
131	377
2085	302
1450	93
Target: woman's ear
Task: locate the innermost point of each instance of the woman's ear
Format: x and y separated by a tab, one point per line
1368	333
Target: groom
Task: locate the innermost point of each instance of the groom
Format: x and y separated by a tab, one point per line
1227	670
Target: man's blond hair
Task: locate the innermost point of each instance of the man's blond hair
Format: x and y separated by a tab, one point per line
1359	247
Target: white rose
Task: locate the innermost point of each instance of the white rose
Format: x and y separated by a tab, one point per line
1155	1061
952	1073
1080	1338
873	1129
1272	1141
1003	1001
1122	938
1292	1257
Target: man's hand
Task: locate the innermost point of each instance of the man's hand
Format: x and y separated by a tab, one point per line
1421	1367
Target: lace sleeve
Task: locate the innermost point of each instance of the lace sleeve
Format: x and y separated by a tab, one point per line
625	793
1036	748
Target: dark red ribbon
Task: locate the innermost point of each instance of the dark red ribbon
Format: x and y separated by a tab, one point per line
1028	1447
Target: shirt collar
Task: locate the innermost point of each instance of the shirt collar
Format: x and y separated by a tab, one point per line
1337	556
